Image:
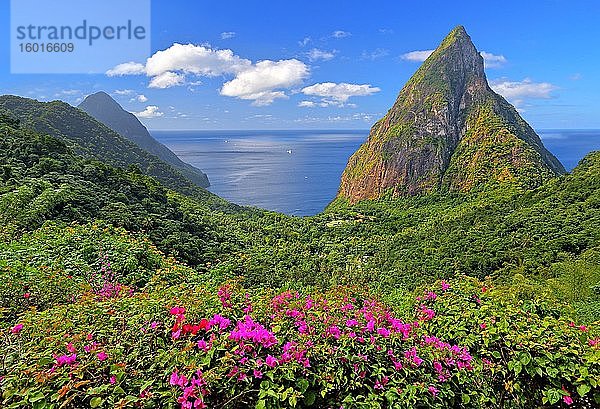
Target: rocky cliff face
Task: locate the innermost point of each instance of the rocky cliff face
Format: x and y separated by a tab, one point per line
447	131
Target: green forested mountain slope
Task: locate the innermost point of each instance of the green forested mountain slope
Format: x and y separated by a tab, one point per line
106	110
90	138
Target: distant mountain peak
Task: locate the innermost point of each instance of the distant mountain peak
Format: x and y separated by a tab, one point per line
447	131
105	109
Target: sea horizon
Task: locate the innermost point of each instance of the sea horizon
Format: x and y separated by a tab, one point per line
297	172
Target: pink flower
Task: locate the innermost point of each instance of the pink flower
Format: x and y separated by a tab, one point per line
65	359
384	332
568	400
26	295
430	296
102	356
445	285
153	325
271	361
437	366
17	328
113	380
351	323
70	348
583	328
482	325
258	374
433	390
177	311
203	345
177	380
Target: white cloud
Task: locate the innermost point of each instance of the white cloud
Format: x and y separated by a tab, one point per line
386	31
227	35
262	83
517	91
195	59
340	34
142	98
493	61
338	94
307	104
167	80
375	54
124	92
128	68
315	55
419	55
304	42
151	111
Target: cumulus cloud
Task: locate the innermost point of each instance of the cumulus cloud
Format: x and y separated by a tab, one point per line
167	80
195	59
227	35
517	91
315	55
337	94
142	98
181	64
128	68
340	34
418	56
263	81
151	111
493	61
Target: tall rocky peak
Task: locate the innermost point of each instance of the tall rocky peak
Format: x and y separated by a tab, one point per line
448	131
105	109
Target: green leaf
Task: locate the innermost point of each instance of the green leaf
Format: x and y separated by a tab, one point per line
95	401
465	398
582	390
36	397
261	404
310	397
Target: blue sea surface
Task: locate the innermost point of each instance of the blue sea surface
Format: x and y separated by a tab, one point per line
298	172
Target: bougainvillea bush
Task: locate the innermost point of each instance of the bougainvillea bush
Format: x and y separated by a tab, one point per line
458	344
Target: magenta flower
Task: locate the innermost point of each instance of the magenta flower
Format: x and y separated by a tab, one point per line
433	390
258	374
65	359
102	356
482	325
384	332
568	400
177	311
271	361
445	285
113	380
17	328
70	348
177	380
351	323
203	345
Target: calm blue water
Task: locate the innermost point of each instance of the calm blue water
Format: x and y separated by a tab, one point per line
298	172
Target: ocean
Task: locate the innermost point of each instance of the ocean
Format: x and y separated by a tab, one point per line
298	172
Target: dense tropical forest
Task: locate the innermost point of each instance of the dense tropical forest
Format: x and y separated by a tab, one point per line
119	291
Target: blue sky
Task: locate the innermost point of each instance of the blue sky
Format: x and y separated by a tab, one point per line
335	64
